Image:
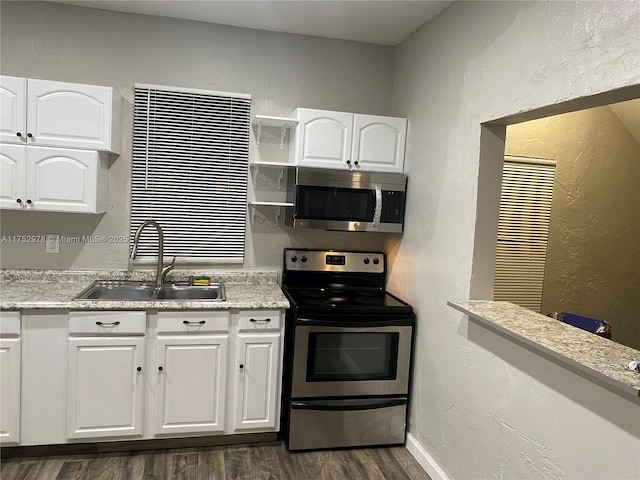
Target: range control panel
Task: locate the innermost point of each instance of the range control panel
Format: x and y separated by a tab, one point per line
333	261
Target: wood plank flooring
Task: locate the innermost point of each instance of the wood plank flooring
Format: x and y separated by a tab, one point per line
268	461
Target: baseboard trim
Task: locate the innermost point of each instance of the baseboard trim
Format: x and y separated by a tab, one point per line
425	460
135	445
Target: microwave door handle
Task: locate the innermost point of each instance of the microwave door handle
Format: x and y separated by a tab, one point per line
378	210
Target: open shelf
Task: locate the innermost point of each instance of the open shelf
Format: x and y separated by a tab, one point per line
277	205
284	123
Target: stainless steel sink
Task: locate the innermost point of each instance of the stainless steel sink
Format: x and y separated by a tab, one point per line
142	291
191	292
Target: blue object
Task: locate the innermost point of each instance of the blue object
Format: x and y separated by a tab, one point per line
585	323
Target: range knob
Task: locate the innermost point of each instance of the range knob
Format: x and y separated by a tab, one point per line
303	259
294	259
366	261
376	261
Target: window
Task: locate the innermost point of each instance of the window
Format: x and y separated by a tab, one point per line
523	230
189	172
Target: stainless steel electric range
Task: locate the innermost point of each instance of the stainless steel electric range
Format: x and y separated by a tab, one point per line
348	352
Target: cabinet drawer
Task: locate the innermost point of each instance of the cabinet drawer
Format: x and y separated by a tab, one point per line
9	324
107	323
193	322
253	320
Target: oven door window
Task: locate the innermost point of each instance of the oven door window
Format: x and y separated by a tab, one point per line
351	356
339	204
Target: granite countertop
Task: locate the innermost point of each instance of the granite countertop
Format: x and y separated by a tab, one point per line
596	356
46	289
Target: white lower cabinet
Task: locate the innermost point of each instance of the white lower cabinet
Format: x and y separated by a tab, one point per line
10	347
105	375
126	375
256	385
191	372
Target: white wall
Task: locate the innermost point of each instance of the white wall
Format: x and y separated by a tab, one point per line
483	406
281	71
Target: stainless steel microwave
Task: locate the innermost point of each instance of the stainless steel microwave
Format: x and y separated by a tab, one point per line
347	201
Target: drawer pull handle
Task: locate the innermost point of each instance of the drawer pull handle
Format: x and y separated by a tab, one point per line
254	320
160	369
108	324
193	324
139	369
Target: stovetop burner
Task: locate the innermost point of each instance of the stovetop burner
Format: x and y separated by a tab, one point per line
317	281
308	298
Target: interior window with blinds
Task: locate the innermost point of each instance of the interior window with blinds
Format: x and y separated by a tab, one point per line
523	230
189	173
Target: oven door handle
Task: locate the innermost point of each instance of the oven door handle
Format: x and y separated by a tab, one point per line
333	407
390	322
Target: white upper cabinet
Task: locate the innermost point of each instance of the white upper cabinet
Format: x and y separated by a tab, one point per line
53	179
60	114
13	101
347	141
378	143
323	139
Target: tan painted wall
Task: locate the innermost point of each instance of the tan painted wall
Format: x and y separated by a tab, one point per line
593	258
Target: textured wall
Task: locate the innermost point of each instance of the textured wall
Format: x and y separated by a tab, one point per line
593	257
68	43
483	406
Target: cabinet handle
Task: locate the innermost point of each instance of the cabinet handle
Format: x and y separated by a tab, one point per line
259	320
18	200
19	134
108	324
348	162
139	369
187	322
30	135
160	369
29	201
241	366
357	162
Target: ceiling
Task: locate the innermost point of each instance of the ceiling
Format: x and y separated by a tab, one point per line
384	22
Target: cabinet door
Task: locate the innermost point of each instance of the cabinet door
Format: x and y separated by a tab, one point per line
257	382
379	143
65	180
69	115
190	388
323	139
9	390
10	346
13	176
13	103
105	387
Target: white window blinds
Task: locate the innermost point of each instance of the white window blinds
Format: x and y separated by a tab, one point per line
189	173
523	230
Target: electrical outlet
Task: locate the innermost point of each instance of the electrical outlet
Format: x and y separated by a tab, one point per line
53	243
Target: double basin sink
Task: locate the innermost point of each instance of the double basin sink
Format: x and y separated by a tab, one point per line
145	291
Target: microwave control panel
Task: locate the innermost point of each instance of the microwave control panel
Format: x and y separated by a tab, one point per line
330	261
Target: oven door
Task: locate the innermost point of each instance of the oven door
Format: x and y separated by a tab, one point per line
333	358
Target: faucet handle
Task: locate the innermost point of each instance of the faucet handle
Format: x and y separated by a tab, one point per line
167	269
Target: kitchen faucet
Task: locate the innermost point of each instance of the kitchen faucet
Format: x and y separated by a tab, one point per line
161	271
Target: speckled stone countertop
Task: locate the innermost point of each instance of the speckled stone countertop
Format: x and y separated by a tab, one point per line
50	289
596	356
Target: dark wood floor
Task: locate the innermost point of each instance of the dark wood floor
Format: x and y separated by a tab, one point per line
264	462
